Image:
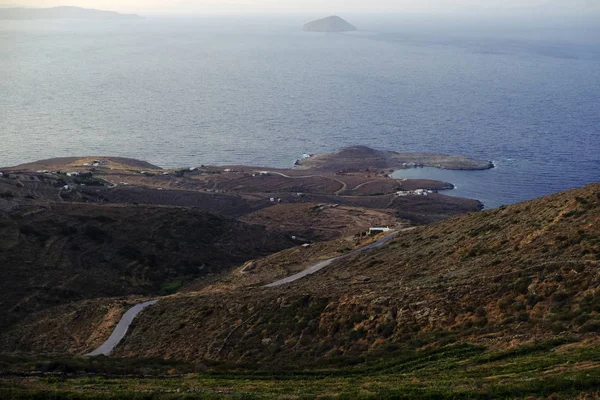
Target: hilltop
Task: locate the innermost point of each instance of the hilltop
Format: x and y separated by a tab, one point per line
17	13
329	24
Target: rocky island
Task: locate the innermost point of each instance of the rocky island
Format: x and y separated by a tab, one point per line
329	24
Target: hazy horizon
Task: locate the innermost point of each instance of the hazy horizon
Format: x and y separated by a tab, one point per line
199	7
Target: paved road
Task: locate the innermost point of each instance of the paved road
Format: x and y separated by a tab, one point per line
121	329
337	192
322	264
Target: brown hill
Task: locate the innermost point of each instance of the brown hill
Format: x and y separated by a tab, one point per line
56	253
514	275
121	163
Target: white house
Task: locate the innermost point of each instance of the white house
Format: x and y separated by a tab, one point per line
377	230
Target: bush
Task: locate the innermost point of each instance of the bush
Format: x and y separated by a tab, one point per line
591	326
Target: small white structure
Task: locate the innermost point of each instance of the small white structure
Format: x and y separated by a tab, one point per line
96	164
86	164
227	170
272	199
418	192
1	174
379	229
193	169
306	155
72	173
305	245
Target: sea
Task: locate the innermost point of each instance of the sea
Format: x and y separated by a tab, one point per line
177	92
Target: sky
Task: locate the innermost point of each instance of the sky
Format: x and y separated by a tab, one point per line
308	6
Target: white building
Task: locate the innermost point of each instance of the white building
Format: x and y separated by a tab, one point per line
377	230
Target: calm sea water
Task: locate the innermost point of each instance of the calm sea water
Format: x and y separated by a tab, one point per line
259	91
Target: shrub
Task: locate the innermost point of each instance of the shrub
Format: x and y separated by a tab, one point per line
591	326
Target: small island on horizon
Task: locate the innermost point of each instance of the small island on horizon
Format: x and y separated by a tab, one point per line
66	12
329	24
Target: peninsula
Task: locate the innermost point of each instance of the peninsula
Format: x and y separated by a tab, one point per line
22	13
329	24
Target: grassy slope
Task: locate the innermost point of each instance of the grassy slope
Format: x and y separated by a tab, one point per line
547	370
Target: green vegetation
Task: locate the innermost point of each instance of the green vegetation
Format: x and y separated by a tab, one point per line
171	286
551	368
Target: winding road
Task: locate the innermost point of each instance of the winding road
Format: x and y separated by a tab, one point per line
337	193
322	264
120	330
123	326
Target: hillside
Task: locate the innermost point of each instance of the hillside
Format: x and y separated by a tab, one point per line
511	276
497	304
55	253
503	277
